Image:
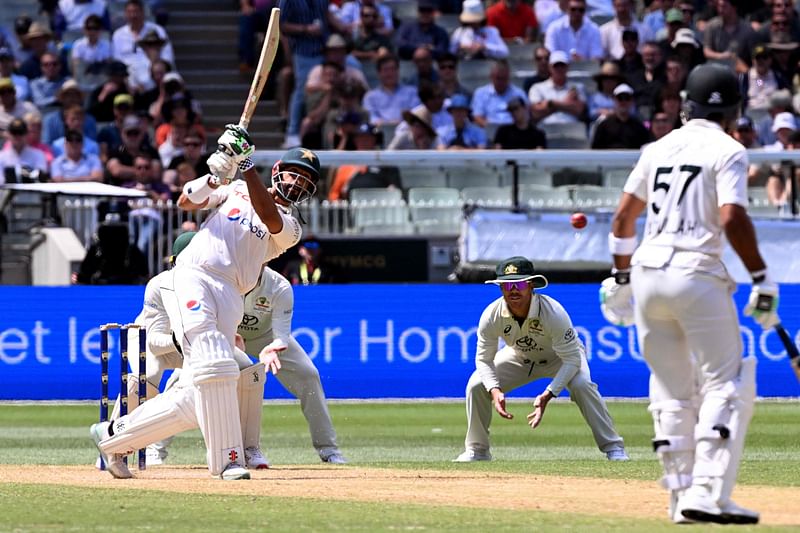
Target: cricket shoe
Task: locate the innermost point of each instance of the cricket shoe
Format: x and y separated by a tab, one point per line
734	514
470	456
255	459
698	505
617	454
234	471
335	458
115	462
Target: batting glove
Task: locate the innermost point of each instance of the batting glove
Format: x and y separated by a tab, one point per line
616	302
236	142
763	302
223	168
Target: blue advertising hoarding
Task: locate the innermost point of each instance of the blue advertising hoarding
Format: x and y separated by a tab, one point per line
368	341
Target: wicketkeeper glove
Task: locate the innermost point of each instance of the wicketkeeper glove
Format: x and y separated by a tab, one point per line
616	301
236	142
763	302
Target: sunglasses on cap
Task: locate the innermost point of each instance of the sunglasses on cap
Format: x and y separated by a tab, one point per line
507	286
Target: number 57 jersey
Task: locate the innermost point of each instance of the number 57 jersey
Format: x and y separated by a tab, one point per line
684	178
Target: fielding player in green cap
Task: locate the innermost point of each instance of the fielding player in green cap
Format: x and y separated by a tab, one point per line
540	343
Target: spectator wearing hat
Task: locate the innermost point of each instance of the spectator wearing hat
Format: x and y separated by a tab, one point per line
686	47
351	12
422	32
10	106
424	70
461	134
780	101
38	39
73	121
782	19
171	89
389	99
19	161
784	55
557	100
45	88
574	34
151	43
69	95
783	125
621	129
348	177
120	164
760	81
420	135
779	187
101	99
473	39
602	102
432	97
125	39
522	134
490	101
310	268
16	40
725	33
110	136
369	42
305	24
447	68
75	164
150	101
21	83
90	54
347	124
745	133
673	21
514	19
335	52
660	125
611	32
630	63
75	12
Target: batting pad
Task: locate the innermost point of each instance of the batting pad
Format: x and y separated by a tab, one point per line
215	375
251	399
159	418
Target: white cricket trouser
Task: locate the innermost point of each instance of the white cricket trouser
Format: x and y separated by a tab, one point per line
685	318
300	377
513	372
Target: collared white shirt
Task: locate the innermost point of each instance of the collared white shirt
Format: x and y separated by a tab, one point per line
387	107
84	51
585	42
684	178
546	333
124	47
29	157
71	170
494	45
488	103
611	37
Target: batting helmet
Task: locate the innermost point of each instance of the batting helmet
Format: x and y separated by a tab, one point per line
712	91
296	174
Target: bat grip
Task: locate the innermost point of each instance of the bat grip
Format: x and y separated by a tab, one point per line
789	344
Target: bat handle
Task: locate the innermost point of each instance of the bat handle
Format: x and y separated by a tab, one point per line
243	122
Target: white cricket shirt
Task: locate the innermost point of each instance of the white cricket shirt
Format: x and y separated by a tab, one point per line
684	178
233	243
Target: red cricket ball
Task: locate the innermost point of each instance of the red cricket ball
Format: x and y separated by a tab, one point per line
578	220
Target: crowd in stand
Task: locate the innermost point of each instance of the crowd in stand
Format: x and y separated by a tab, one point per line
609	71
81	100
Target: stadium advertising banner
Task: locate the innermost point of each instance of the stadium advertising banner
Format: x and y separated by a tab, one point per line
368	341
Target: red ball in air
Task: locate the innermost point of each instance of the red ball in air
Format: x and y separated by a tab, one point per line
578	220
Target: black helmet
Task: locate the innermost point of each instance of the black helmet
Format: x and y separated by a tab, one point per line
298	187
712	89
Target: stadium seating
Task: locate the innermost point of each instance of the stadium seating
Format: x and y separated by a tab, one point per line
487	196
543	197
371	209
435	209
589	197
474	176
535	176
423	177
475	73
616	177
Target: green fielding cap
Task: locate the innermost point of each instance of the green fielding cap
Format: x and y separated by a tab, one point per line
518	268
182	241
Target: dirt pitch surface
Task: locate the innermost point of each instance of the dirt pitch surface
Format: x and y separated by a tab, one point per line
589	496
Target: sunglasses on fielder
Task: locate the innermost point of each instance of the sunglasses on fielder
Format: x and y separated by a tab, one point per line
508	286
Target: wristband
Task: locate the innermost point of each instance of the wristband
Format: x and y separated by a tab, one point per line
198	190
246	164
621	245
622	276
759	276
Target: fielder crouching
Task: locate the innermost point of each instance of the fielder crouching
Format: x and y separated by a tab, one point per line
540	342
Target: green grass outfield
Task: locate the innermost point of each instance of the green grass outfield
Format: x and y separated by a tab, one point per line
419	435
